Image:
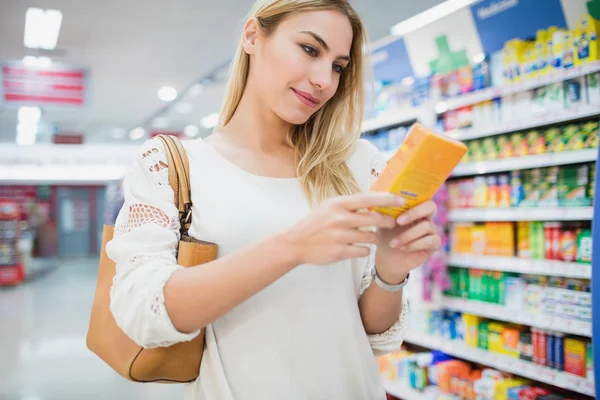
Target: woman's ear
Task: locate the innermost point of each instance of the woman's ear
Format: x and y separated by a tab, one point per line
249	35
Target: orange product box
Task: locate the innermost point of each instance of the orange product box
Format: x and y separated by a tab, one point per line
418	169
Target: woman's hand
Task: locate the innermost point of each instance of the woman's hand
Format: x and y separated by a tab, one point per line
409	244
334	231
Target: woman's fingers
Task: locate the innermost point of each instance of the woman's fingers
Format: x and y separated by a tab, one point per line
351	236
430	244
422	211
419	230
370	218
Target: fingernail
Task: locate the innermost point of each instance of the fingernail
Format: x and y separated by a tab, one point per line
403	219
400	201
394	243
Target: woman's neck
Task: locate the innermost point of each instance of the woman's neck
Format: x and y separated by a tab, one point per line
254	125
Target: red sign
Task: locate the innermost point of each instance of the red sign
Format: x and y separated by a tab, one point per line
67	138
57	85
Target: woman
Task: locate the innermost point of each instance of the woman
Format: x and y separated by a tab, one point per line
291	308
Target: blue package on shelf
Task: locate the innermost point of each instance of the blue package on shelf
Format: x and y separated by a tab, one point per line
421	91
482	76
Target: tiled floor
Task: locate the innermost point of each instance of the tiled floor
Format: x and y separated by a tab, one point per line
42	343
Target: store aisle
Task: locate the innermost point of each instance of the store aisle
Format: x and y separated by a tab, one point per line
42	343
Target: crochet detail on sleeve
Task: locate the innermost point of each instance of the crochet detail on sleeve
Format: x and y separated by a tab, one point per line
142	214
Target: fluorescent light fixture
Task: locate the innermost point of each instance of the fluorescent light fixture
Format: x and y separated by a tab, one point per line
478	58
191	130
167	93
30	115
210	121
42	28
408	81
26	132
39	62
429	16
137	133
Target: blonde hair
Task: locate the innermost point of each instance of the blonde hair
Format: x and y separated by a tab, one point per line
327	139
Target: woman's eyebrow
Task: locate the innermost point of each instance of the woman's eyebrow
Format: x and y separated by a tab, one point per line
323	43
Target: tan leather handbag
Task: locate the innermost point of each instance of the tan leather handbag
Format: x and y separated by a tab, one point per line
175	364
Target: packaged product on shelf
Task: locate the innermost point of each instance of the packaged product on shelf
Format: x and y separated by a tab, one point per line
589	361
478	239
538	107
504	190
504	146
568	50
548	187
516	188
541	52
536	142
559	351
519	144
575	357
584	246
482	75
574	95
480	192
513	292
465	79
555	97
471	327
523	249
493	191
489	149
592	185
568	244
523	105
572	137
586	40
590	134
573	186
531	187
525	345
550	349
558	45
477	151
592	83
553	140
483	335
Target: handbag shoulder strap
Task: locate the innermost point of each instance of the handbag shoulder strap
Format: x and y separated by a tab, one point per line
179	179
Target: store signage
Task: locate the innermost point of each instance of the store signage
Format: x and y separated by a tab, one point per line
68	138
391	62
56	85
498	21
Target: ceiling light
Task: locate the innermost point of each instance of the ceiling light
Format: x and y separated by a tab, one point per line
160	122
184	108
26	132
167	93
210	121
137	133
408	81
191	130
478	58
428	16
42	28
39	62
29	114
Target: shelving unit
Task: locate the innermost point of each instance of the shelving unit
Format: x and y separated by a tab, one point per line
513	126
518	316
522	265
510	89
402	391
389	119
525	162
522	214
503	362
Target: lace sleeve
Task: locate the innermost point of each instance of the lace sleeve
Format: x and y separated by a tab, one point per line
144	249
391	339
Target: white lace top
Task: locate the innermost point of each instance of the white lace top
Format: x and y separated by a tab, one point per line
301	338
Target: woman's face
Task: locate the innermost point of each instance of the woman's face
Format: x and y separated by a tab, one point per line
298	68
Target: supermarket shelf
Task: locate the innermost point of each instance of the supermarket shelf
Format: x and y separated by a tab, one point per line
522	214
492	93
503	362
522	265
550	119
517	316
526	162
402	391
388	119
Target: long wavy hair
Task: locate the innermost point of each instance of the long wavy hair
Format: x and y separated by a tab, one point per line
328	138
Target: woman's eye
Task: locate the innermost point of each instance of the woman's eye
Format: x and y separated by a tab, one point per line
338	68
311	51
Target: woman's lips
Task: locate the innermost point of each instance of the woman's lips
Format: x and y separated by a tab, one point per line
306	98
